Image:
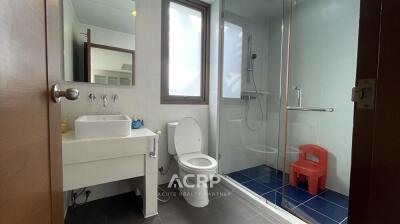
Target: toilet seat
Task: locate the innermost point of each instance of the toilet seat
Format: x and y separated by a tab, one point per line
198	163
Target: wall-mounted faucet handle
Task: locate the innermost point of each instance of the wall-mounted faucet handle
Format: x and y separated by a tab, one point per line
92	97
105	100
114	98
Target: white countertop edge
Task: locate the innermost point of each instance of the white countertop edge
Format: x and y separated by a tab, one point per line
69	136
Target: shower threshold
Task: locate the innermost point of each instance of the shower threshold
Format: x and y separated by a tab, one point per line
274	213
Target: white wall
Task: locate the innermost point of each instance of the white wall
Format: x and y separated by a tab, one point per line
323	63
143	99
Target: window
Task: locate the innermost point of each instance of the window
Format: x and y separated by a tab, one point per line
232	65
185	52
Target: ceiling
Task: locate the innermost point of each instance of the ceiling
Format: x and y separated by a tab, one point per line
114	15
254	9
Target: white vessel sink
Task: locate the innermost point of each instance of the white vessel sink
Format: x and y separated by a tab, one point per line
102	126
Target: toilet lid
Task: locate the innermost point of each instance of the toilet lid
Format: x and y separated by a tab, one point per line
187	137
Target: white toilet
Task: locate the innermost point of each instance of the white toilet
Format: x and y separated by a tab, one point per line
185	143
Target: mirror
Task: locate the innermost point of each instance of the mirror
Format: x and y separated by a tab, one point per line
99	41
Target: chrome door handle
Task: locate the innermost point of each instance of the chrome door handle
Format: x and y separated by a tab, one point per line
57	93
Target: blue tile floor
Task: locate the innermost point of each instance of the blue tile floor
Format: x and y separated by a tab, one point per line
326	207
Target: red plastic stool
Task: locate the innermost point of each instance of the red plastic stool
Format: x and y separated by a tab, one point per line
314	171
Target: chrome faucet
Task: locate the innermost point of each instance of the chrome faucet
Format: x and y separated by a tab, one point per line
92	97
114	98
105	100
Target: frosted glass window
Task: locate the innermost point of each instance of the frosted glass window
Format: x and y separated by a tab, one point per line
185	51
232	65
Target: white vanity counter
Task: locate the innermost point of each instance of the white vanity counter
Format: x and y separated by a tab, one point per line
88	162
83	150
135	133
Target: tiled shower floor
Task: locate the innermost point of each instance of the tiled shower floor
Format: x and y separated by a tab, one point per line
326	207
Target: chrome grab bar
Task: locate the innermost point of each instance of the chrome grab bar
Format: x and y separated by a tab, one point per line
316	109
299	107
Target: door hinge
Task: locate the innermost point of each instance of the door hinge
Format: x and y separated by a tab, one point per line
364	94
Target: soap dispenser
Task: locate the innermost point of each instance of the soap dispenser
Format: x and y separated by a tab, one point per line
64	126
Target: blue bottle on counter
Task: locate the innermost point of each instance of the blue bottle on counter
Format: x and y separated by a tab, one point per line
137	123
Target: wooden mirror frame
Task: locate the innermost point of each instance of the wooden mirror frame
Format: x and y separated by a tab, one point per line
88	56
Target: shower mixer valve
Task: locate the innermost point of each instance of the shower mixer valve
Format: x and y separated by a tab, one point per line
299	92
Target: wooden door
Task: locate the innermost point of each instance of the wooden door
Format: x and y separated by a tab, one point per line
384	187
375	177
30	145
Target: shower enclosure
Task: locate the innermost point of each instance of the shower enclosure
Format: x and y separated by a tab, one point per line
250	91
287	72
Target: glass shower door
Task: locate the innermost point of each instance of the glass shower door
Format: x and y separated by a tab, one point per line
250	93
319	116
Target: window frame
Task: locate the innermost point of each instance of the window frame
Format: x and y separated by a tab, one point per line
204	8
